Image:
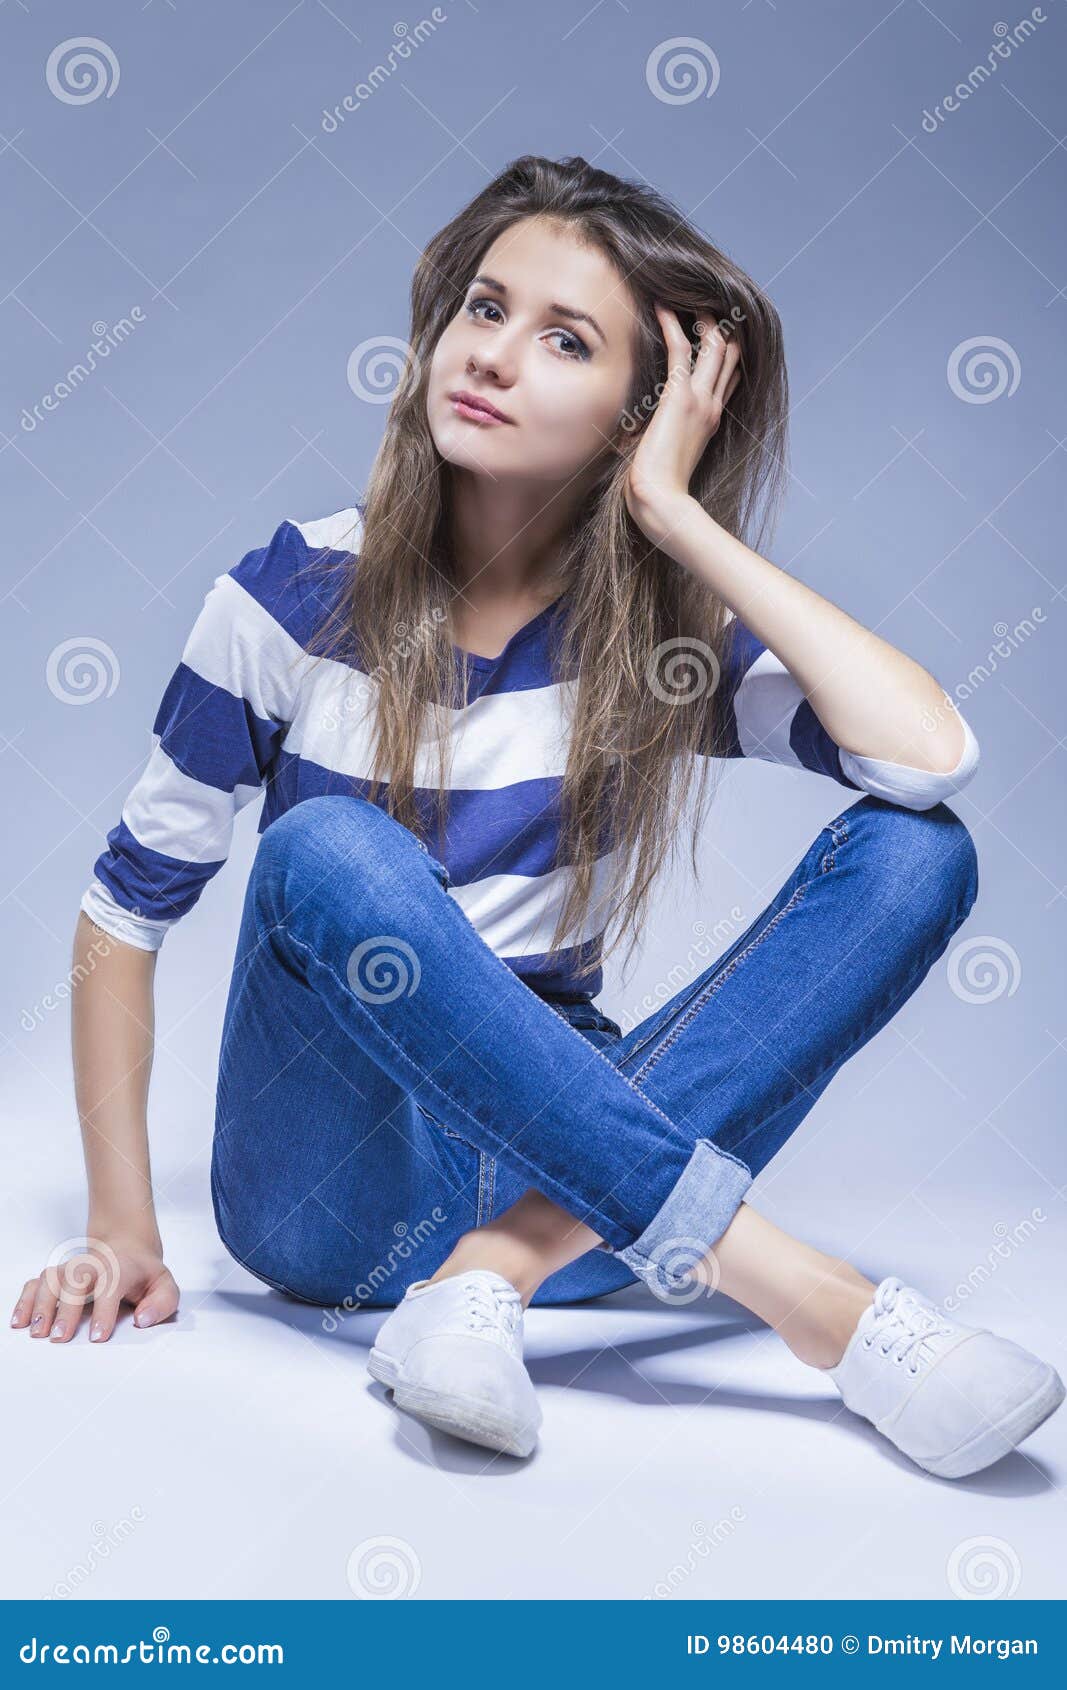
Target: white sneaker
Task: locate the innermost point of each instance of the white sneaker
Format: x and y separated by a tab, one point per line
451	1353
954	1398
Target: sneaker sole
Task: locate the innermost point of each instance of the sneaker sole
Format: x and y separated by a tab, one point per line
464	1417
996	1441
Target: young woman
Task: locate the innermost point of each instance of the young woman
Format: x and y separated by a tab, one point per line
477	701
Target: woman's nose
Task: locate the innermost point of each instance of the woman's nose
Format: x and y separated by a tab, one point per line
499	360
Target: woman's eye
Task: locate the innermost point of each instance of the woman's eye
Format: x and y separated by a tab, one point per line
582	350
576	348
473	304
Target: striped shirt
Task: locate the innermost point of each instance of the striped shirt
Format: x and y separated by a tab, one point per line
249	712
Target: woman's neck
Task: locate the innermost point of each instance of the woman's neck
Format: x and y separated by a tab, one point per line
507	543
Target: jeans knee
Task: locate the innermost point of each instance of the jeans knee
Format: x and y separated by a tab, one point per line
929	859
318	836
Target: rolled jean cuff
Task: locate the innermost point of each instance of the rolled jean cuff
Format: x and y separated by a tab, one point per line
700	1207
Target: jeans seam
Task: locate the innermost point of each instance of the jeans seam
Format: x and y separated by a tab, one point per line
838	829
712	987
486	1214
275	1285
926	959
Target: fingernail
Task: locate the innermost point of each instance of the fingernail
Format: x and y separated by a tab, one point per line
36	1321
59	1328
96	1331
144	1317
15	1316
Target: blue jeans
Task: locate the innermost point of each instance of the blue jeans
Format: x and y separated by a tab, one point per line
386	1082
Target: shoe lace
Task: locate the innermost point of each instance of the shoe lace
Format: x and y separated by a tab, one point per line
903	1325
494	1307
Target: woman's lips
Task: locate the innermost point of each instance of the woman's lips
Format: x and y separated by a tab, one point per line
475	413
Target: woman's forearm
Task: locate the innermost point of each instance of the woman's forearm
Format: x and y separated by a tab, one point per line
871	698
112	1034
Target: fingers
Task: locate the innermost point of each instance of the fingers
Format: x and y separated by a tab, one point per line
20	1315
159	1302
53	1304
105	1314
73	1283
679	347
43	1308
718	359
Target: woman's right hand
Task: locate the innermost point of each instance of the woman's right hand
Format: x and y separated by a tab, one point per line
105	1271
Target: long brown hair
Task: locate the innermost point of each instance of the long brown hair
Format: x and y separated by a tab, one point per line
641	641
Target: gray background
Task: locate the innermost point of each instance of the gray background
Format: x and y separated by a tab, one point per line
261	251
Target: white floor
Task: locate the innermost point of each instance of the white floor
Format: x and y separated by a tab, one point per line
242	1451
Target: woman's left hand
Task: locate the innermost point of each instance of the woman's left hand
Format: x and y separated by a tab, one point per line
687	415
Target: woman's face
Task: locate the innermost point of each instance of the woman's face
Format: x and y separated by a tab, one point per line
523	341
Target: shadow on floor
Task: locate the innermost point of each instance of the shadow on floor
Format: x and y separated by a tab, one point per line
614	1370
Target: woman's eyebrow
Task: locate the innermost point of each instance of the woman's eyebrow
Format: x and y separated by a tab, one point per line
570	311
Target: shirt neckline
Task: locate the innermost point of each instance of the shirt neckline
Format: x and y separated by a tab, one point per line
518	638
